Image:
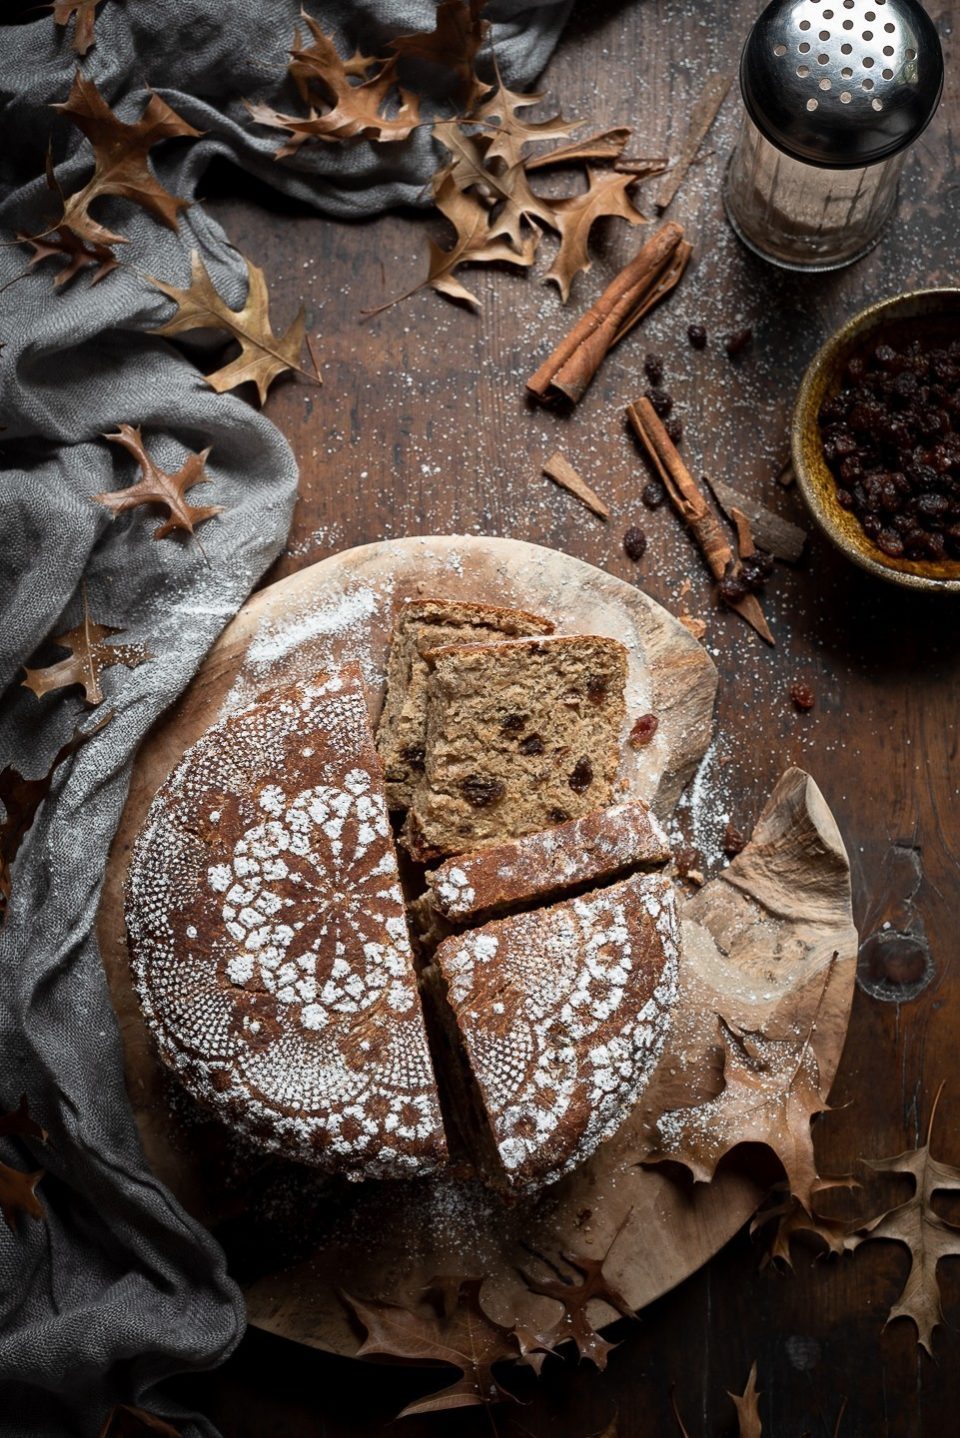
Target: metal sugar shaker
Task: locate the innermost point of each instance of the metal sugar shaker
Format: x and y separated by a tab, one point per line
835	92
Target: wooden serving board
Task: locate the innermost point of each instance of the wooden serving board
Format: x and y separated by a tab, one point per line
757	941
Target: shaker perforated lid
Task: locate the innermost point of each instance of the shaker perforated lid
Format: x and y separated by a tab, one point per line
842	83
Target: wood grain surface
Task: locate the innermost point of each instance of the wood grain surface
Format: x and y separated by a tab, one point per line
422	427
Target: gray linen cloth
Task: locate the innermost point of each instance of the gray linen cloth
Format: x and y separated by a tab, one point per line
118	1289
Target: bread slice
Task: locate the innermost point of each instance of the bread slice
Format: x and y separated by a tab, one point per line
423	624
563	1013
602	846
521	736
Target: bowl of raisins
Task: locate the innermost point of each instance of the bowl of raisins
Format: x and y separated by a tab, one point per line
876	439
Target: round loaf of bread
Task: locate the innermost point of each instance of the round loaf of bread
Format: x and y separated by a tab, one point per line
269	943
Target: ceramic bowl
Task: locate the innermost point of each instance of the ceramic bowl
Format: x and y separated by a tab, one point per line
940	309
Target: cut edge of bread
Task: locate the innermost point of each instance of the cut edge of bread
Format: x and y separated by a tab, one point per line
434	911
396	748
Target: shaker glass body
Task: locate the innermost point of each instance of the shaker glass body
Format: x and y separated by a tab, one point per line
802	216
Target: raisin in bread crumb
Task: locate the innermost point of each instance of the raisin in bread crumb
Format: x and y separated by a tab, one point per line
423	624
521	736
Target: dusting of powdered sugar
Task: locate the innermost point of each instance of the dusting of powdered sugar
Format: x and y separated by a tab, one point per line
336	618
582	851
320	633
564	1013
300	879
269	940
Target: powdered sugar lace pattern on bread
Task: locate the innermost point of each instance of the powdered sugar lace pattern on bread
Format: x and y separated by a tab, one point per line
581	851
564	1013
268	938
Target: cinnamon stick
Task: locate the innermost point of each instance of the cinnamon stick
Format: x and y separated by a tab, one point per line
692	506
668	280
648	277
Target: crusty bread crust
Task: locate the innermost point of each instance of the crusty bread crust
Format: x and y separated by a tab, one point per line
563	1014
269	943
600	846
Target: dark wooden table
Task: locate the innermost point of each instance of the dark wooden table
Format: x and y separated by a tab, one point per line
422	427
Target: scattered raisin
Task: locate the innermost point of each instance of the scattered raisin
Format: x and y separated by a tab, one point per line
635	543
802	695
415	755
513	723
697	336
756	569
653	368
732	589
582	776
653	494
558	816
661	401
481	791
597	686
533	744
736	343
733	840
643	731
674	428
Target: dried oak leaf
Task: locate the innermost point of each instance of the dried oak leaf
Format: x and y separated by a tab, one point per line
452	1329
453	45
576	1295
470	218
90	654
157	487
84	14
794	1222
507	189
748	1413
771	1095
354	110
18	1189
916	1223
124	1421
21	798
474	242
575	216
121	165
535	1347
64	244
512	132
307	60
61	243
263	355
